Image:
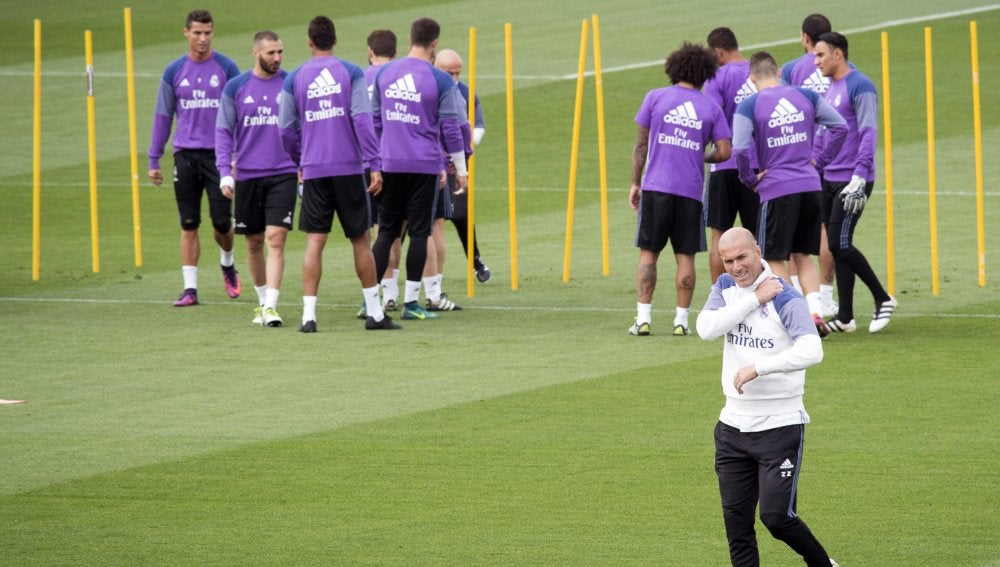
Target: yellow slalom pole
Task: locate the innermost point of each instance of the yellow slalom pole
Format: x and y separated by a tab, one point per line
601	150
92	150
471	232
36	177
511	200
130	79
977	128
575	151
931	172
887	134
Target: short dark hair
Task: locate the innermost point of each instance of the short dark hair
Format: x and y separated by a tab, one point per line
200	16
692	63
382	43
836	41
723	38
322	33
762	64
424	31
816	25
265	35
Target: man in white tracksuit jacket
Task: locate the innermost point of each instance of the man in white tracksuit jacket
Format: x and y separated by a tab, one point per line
770	340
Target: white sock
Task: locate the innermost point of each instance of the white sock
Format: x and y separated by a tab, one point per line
390	287
826	293
432	288
261	291
372	305
795	284
812	299
226	258
190	276
271	297
644	313
308	308
681	318
411	291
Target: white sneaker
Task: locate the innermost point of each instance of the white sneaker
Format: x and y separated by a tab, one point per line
829	308
835	326
257	315
271	318
883	311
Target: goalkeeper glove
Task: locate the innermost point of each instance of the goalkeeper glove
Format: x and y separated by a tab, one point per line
854	195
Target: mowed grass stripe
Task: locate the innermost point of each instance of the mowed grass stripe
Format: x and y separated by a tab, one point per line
616	468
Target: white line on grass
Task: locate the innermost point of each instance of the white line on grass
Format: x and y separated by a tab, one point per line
552	309
613	69
748	48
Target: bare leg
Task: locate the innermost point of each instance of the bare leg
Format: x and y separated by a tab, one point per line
685	279
645	275
255	259
276	237
312	262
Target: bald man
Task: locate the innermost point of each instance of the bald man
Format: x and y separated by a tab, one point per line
770	341
449	61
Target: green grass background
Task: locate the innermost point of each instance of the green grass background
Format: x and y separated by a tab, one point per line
528	429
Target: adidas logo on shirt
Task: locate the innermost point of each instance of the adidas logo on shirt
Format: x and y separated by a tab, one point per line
248	100
787	465
323	85
817	82
785	113
683	115
403	89
185	83
745	92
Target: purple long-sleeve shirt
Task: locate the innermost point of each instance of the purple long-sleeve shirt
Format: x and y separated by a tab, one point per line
855	98
246	130
780	122
191	90
325	119
415	108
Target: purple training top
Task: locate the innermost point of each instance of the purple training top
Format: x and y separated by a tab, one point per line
370	72
191	90
681	122
325	119
781	121
803	72
730	86
415	108
246	131
855	99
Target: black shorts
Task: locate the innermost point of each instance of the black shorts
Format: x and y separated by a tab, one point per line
345	195
408	197
195	174
459	203
445	206
728	196
265	201
664	217
789	225
840	224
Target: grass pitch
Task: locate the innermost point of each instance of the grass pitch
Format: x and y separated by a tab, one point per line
527	429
